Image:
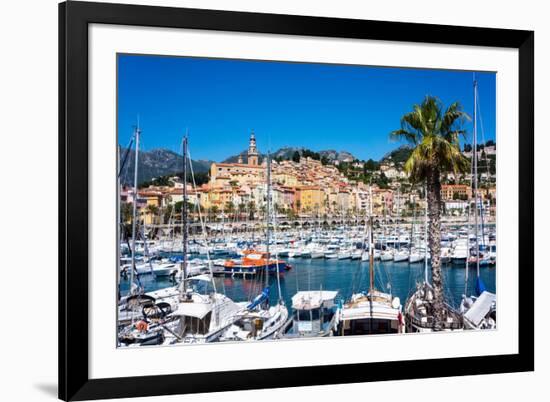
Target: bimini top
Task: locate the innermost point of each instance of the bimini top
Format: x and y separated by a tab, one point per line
308	300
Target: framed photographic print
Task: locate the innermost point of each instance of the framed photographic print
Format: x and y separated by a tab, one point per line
258	201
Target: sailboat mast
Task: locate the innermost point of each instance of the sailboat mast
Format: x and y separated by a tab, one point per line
426	235
267	211
411	238
371	244
467	269
185	226
475	177
134	208
270	185
397	225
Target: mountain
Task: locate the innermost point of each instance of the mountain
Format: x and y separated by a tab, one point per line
156	163
342	156
287	153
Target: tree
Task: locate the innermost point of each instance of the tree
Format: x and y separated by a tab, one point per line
251	208
126	212
214	211
241	208
168	213
296	157
382	181
371	166
291	214
178	206
126	209
152	210
434	133
456	196
229	208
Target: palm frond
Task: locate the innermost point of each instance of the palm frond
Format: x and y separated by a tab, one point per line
435	135
402	134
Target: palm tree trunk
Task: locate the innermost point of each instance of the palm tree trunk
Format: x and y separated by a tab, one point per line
434	239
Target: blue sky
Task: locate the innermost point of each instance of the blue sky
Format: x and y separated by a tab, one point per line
317	106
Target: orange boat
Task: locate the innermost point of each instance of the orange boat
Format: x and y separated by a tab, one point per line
254	262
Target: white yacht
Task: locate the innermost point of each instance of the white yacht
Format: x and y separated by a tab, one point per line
401	255
460	251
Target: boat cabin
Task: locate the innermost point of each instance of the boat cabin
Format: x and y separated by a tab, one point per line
313	313
372	313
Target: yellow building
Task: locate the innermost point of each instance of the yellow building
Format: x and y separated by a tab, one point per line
285	179
219	197
226	174
151	202
309	198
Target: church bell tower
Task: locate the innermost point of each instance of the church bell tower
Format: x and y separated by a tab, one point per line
252	151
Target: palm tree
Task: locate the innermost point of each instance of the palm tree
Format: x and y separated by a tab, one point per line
214	212
152	210
434	133
230	208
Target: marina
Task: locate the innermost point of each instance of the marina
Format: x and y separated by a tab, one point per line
312	274
342	278
293	244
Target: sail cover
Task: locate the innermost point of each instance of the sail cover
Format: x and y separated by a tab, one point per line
480	286
259	299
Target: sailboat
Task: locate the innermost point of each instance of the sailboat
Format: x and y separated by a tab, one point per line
259	320
372	312
419	308
130	307
194	312
479	310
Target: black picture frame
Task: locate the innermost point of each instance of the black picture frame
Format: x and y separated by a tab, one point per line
74	18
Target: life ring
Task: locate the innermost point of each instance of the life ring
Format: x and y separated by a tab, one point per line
142	326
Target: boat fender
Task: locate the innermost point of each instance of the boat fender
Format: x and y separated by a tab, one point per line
396	302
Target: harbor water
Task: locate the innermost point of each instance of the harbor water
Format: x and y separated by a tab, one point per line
345	276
